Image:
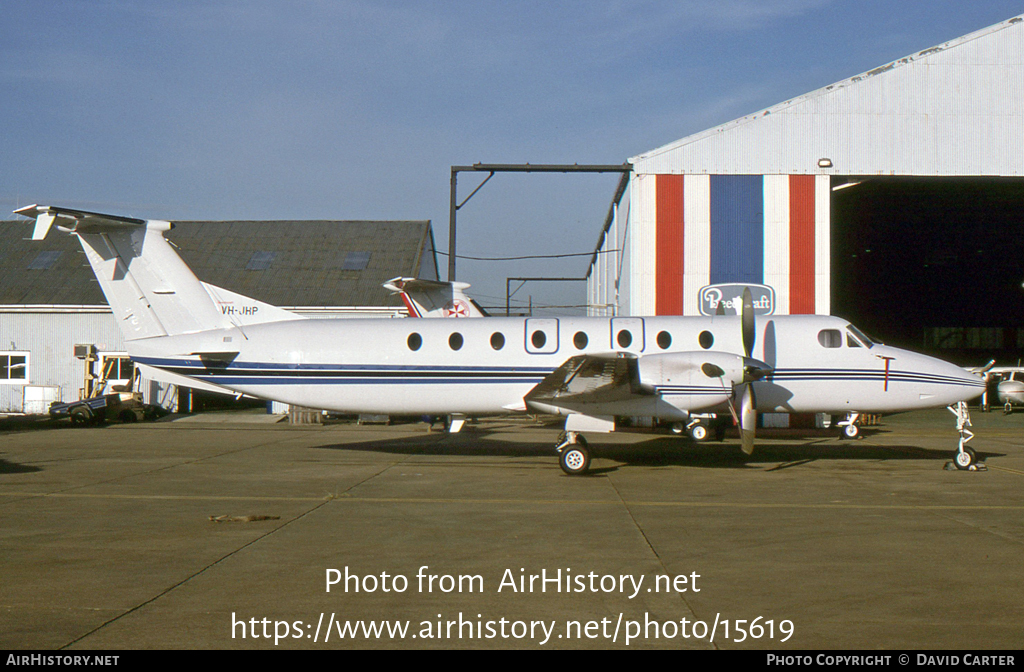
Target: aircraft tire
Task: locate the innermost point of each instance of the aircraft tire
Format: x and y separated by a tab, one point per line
698	432
849	432
965	459
575	458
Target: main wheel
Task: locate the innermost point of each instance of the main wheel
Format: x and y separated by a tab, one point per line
849	432
698	432
965	458
575	458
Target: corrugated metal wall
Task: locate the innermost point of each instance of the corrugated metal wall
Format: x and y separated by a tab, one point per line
50	338
607	280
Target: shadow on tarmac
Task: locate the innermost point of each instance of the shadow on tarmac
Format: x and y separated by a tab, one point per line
658	451
14	468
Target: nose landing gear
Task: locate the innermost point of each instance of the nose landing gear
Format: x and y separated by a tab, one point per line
965	459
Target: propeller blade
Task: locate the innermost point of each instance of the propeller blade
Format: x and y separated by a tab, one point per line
747	319
748	418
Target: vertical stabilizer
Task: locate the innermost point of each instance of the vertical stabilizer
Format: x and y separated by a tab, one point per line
433	298
151	291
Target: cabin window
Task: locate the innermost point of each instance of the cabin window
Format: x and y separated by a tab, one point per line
664	340
580	340
830	338
706	339
624	339
539	338
455	341
415	341
497	340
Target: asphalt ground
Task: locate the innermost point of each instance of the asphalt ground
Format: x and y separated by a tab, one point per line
217	534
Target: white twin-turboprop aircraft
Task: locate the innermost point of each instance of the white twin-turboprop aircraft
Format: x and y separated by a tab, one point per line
588	369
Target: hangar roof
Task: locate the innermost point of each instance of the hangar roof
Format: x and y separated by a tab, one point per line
283	263
953	109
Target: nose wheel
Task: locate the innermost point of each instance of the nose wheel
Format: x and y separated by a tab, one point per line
573	454
965	459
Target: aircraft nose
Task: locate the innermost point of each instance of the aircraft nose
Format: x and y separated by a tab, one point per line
957	384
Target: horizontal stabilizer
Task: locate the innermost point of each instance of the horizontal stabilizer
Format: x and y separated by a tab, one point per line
434	298
70	219
151	291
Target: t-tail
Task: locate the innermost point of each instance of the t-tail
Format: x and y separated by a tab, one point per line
151	291
433	298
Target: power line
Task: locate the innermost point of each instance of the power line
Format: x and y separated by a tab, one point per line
530	256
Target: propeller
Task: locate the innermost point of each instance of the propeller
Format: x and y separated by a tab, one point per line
746	415
744	405
747	322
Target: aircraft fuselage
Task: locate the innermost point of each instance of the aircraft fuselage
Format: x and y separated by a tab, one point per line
486	366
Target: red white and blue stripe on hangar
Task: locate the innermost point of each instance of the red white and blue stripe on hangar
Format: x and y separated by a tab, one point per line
709	229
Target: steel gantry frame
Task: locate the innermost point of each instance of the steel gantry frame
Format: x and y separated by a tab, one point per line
491	169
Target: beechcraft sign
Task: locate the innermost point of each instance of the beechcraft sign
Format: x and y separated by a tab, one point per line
730	296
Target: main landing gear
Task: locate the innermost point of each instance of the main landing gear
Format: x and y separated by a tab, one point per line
965	459
573	453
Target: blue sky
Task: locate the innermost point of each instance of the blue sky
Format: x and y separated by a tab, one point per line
353	109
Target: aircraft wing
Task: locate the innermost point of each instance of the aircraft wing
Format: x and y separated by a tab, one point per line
664	385
589	379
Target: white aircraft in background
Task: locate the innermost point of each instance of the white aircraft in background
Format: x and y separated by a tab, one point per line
1010	386
433	298
587	369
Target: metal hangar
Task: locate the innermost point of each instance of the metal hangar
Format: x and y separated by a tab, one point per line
897	193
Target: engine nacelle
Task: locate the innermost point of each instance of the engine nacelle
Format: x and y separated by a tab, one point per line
697	380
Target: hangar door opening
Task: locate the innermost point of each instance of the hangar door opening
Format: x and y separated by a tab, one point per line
934	264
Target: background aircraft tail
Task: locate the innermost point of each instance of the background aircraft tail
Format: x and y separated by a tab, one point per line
433	298
151	291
